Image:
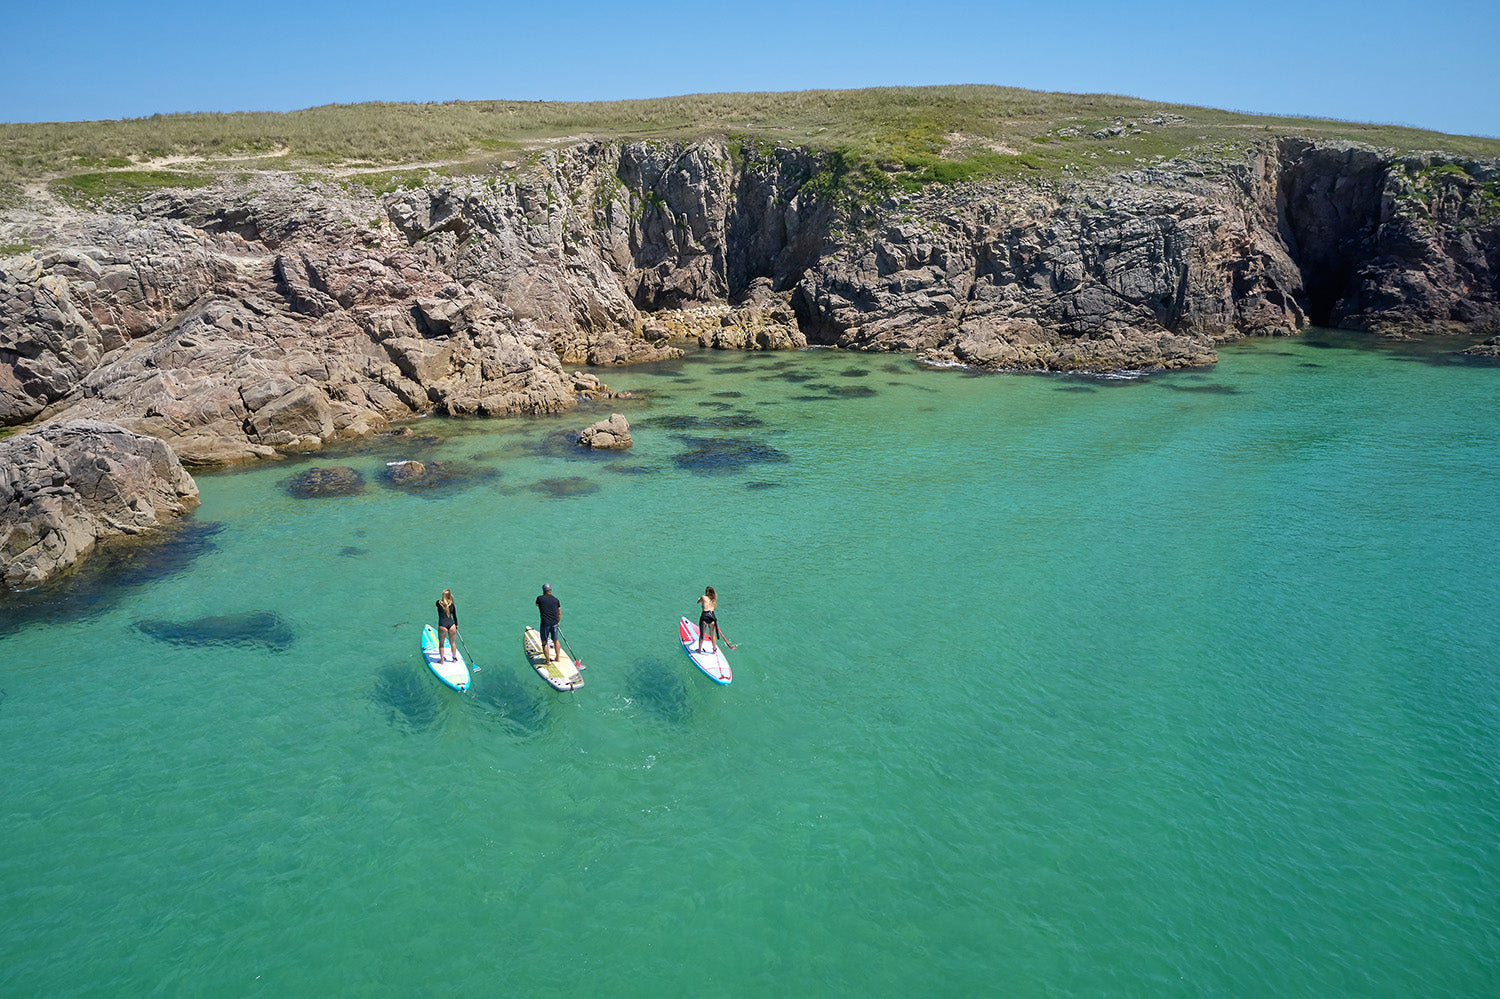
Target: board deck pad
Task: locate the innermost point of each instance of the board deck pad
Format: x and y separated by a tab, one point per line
711	663
562	674
455	672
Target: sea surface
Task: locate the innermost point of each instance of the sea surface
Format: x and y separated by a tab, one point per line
1184	684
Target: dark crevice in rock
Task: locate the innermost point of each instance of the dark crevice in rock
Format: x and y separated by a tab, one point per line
1329	213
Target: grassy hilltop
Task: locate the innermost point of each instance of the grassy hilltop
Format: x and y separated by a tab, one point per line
906	135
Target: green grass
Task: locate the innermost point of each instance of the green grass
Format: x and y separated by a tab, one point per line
913	135
86	188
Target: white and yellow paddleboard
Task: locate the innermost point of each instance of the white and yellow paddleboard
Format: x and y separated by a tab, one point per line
561	674
454	672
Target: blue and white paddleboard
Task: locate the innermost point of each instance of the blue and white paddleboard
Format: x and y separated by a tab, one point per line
711	663
454	672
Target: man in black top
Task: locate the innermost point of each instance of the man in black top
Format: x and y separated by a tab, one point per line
551	609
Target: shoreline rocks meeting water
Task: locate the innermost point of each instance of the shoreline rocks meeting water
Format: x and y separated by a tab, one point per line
265	313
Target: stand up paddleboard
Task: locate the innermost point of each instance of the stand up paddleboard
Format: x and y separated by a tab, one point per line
712	663
454	672
562	674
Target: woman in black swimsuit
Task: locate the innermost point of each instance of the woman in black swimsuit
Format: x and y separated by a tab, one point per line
708	621
447	624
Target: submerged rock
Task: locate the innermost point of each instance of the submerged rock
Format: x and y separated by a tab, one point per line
315	482
66	487
418	476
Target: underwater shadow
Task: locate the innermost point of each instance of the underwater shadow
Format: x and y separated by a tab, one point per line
117	567
408	697
518	708
659	689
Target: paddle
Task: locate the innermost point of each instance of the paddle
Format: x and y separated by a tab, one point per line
576	661
470	656
718	637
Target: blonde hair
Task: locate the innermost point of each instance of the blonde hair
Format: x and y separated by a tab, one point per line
446	598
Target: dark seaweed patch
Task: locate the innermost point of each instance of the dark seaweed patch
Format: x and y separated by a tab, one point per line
790	376
1212	389
729	395
732	421
111	571
763	484
659	689
718	455
350	551
710	404
851	391
408	696
314	483
632	469
1074	388
854	373
246	628
565	486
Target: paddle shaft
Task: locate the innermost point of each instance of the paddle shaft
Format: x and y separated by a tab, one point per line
472	664
571	654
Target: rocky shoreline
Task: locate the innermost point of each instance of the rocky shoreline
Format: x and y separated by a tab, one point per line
267	313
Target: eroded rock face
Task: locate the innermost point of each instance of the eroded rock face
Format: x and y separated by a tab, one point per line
67	487
267	315
263	314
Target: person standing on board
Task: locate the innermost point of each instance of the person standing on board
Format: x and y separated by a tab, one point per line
447	624
551	609
707	620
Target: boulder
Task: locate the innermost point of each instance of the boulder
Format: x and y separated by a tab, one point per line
66	487
612	434
404	473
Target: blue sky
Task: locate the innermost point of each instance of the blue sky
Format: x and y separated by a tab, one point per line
1433	65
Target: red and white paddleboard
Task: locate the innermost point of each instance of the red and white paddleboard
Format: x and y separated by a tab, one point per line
711	662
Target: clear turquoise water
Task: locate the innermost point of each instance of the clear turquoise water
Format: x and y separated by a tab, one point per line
1184	685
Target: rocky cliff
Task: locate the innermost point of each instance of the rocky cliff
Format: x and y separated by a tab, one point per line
66	487
267	313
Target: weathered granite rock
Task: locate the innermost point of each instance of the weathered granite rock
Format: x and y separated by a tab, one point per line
264	315
1490	348
67	487
612	434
